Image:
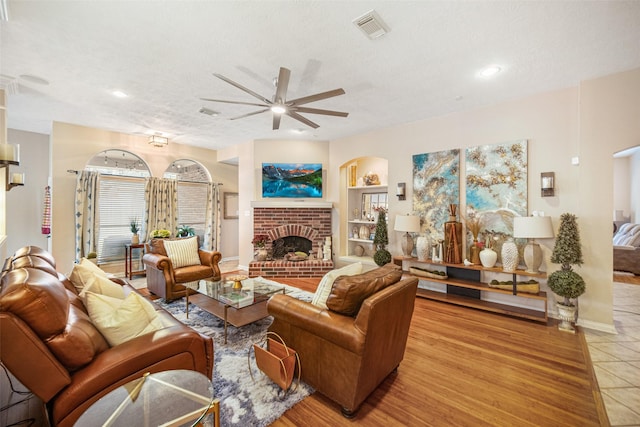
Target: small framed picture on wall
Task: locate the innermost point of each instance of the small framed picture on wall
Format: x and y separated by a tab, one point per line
230	207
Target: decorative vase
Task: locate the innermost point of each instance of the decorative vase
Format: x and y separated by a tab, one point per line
509	256
358	250
567	315
474	254
488	257
422	248
364	232
452	238
135	239
261	254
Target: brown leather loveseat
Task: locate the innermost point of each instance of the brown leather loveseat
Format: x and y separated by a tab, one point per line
166	280
347	350
50	344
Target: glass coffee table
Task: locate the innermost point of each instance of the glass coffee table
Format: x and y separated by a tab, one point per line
168	398
236	306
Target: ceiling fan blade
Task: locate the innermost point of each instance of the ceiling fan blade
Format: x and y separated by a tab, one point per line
234	102
283	84
319	111
239	86
276	121
316	97
304	120
249	114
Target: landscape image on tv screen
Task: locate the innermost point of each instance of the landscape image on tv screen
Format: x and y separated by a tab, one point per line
292	180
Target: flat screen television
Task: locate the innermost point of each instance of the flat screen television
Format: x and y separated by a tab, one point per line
292	180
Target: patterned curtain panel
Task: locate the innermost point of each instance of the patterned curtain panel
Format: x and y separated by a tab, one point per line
212	221
86	213
161	205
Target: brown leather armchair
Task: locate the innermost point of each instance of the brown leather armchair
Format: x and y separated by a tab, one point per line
49	343
345	357
168	282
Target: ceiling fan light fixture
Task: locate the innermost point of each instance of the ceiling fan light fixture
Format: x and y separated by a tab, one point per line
278	108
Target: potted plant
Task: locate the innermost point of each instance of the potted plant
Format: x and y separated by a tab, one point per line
135	228
381	239
185	231
160	233
565	282
259	241
93	257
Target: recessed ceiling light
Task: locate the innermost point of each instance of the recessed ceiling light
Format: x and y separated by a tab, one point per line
490	71
298	130
119	94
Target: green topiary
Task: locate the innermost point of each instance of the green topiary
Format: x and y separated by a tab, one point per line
567	284
381	239
567	251
382	257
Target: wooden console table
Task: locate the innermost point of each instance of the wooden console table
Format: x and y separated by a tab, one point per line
128	260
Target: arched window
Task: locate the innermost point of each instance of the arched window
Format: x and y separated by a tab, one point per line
120	200
193	179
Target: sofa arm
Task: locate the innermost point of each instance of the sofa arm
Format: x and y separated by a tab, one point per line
157	261
211	259
331	326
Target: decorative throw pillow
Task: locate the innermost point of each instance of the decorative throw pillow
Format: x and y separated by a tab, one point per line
103	286
324	287
349	292
122	320
183	252
82	272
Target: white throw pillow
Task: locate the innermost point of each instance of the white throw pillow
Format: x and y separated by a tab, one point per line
103	286
120	320
83	272
324	287
183	252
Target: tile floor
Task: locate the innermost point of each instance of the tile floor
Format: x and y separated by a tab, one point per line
616	358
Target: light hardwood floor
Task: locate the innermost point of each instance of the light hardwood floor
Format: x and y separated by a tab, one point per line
471	368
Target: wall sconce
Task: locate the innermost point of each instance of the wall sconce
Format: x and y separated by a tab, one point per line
400	191
17	179
10	155
158	141
547	184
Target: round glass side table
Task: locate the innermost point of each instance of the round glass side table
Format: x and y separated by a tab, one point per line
169	398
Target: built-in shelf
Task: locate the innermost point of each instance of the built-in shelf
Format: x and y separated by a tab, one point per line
464	286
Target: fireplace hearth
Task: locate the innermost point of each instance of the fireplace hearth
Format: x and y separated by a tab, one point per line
290	228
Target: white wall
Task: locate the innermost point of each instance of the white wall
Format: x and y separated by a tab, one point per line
634	191
25	205
622	186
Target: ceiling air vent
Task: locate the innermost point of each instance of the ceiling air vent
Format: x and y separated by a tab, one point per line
371	24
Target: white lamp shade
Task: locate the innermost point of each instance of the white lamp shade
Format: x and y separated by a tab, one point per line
408	223
532	227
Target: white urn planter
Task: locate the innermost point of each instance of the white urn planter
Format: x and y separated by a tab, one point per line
567	315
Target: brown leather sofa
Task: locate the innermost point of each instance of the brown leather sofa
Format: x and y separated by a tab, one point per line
50	345
346	354
166	281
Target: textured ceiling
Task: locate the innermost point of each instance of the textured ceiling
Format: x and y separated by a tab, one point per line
164	53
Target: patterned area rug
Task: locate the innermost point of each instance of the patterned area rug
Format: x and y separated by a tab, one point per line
243	401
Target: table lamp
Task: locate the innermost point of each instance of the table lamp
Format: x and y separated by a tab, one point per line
532	227
408	224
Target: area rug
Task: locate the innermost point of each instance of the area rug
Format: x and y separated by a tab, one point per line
243	401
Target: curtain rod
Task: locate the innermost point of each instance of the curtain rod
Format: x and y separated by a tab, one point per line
192	182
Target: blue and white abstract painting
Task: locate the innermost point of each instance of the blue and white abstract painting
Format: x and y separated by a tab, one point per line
496	185
436	185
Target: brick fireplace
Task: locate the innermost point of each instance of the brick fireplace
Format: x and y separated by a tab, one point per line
292	223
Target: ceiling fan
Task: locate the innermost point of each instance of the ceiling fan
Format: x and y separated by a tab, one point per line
280	105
